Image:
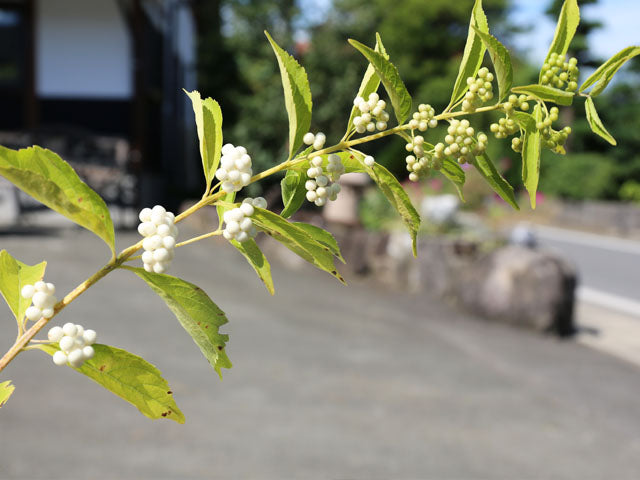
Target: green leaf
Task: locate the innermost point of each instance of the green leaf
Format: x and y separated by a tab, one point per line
209	125
546	94
50	180
524	120
13	276
6	389
297	240
224	204
293	191
473	52
455	174
370	81
605	72
297	95
257	260
390	78
195	311
322	236
595	123
531	147
131	378
488	170
565	29
501	62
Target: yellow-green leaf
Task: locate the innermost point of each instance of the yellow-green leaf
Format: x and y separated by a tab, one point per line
297	95
390	78
473	52
293	191
6	389
501	62
208	118
13	276
488	170
546	94
565	29
455	174
195	311
50	180
595	123
131	378
531	147
297	240
323	237
605	72
370	81
250	250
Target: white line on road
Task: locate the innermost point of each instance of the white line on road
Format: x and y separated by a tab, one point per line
608	300
589	239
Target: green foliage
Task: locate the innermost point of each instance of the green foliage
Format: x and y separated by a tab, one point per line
473	52
390	78
455	174
565	29
595	123
531	150
293	191
257	260
630	191
13	276
49	179
208	117
604	74
131	378
488	170
322	236
501	62
297	96
6	389
546	94
579	176
195	311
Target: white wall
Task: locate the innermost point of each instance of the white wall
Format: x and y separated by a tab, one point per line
82	50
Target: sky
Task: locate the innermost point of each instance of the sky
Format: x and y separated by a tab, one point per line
619	19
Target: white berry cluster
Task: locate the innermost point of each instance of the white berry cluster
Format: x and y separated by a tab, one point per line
317	140
480	90
322	185
423	118
461	143
559	73
238	224
372	114
235	168
41	295
159	232
417	160
75	344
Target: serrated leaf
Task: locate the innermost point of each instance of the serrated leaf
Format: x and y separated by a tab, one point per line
565	29
6	390
297	95
257	260
524	120
455	174
50	180
595	123
473	52
531	148
488	170
131	378
370	81
195	311
605	72
208	118
501	62
390	78
13	276
546	94
293	191
323	237
297	240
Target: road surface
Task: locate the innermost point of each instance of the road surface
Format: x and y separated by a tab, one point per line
328	382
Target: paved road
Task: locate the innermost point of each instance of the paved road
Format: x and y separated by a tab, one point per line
606	265
328	382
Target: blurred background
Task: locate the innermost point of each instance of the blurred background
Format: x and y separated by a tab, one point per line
100	83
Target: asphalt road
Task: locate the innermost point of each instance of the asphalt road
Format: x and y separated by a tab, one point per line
605	264
328	382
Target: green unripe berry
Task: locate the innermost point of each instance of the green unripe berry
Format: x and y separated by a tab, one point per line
524	106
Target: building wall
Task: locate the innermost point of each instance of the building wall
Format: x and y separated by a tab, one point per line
83	50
